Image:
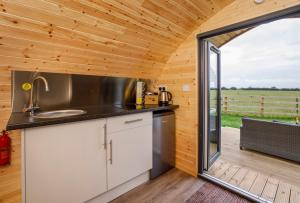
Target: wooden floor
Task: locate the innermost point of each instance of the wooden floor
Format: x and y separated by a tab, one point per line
174	187
271	178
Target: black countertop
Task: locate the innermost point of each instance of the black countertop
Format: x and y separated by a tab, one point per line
23	120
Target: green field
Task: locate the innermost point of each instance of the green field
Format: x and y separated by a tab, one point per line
235	121
259	104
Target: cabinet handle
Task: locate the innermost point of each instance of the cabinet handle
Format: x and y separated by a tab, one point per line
111	151
105	136
133	121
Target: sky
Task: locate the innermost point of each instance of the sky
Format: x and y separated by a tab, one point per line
266	56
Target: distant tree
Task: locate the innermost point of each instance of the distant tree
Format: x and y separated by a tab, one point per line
274	88
263	88
224	88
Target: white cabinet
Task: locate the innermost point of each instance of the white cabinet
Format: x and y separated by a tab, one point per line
130	154
122	123
76	162
130	147
65	163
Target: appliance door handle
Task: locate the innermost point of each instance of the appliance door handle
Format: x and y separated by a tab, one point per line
111	152
133	121
105	136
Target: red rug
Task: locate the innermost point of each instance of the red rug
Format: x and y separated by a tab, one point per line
215	194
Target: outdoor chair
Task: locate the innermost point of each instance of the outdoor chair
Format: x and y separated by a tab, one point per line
273	138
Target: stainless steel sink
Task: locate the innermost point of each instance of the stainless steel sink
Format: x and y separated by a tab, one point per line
59	113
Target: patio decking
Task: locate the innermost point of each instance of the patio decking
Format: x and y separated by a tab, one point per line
271	178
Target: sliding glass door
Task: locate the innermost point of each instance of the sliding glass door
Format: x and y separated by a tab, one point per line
212	104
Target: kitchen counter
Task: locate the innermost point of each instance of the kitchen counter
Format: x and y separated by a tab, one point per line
23	120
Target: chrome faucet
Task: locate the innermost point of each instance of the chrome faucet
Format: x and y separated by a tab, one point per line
32	107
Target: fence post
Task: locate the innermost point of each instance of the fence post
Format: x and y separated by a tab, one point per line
262	105
297	106
225	104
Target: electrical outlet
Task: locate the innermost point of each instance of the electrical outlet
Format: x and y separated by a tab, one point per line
186	88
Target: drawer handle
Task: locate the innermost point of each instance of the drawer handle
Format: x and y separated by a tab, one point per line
105	136
133	121
111	151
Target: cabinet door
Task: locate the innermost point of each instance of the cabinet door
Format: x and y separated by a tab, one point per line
129	154
65	163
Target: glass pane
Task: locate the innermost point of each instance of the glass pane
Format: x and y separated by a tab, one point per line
213	104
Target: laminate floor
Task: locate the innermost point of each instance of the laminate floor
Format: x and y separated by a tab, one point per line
175	186
272	178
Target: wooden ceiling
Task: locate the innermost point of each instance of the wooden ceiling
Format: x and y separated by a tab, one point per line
221	40
105	37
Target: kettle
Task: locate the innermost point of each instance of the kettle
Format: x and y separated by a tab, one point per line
164	97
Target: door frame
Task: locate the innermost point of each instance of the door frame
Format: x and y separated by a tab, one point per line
202	87
211	47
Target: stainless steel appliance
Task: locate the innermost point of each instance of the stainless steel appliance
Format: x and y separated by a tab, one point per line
163	142
164	97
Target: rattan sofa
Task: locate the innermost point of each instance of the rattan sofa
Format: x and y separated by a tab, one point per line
274	138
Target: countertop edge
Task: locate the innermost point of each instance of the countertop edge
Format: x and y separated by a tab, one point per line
84	117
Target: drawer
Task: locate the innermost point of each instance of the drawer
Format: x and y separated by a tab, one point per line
119	123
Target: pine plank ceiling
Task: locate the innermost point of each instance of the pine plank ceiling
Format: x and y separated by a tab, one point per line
221	40
110	36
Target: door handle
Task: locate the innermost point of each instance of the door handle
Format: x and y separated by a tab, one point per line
111	152
133	121
105	136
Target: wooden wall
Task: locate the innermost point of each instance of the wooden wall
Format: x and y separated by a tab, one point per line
10	176
142	38
181	69
110	37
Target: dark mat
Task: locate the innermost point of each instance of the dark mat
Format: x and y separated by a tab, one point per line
215	194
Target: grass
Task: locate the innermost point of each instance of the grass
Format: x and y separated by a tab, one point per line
277	105
237	93
274	103
235	121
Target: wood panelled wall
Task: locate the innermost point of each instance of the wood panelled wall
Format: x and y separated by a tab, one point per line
116	38
181	69
10	176
131	38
